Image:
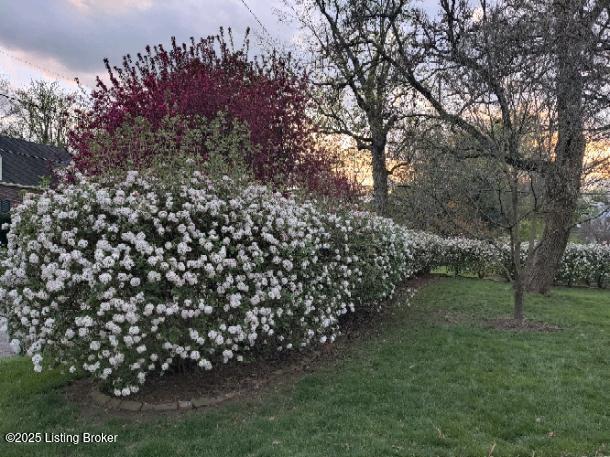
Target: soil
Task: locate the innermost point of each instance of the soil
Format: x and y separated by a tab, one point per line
525	325
223	379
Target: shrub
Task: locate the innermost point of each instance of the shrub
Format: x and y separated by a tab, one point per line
134	276
5	218
137	144
140	273
581	263
203	79
585	264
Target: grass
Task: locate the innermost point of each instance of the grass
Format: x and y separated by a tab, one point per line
420	386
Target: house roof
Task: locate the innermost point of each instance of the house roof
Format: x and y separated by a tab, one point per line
25	163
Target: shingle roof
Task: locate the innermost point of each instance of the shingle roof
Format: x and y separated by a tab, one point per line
24	162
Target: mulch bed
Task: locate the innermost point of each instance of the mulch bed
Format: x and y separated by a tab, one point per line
233	378
525	325
248	379
224	382
451	318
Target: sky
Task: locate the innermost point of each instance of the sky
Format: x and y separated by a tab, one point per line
63	39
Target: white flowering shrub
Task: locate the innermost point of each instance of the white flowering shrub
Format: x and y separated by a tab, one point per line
126	280
134	277
585	263
581	263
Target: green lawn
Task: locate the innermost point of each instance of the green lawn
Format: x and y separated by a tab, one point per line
420	386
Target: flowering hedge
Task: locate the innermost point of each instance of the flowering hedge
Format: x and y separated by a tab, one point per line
134	277
581	263
585	263
124	280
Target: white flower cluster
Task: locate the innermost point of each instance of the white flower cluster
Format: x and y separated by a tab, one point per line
136	277
581	263
585	263
459	254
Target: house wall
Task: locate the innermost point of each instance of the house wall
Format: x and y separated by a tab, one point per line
13	193
10	193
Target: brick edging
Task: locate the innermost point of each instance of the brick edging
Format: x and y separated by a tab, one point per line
108	402
117	404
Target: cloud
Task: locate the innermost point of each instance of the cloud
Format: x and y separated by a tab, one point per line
111	6
73	36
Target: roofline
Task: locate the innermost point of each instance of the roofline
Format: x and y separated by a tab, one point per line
20	186
34	142
23	154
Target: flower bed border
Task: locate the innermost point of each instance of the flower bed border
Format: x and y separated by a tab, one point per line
106	401
205	401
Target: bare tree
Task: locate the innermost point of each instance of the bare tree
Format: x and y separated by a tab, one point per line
540	69
358	92
5	102
482	197
42	113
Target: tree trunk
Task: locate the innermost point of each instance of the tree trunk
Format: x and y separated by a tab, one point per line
515	247
380	177
518	292
557	222
563	177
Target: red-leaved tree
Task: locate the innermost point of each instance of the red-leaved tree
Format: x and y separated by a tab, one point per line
203	79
